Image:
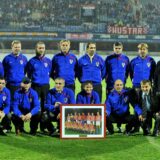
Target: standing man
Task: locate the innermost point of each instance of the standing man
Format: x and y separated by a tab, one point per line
5	116
39	70
117	66
87	95
56	96
14	67
26	107
64	64
118	108
91	68
142	67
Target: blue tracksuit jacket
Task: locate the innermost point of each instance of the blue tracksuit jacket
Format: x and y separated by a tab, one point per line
65	97
84	98
14	68
117	67
26	102
5	100
64	66
39	69
141	69
93	71
1	70
119	103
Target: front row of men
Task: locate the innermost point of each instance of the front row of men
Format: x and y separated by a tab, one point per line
26	106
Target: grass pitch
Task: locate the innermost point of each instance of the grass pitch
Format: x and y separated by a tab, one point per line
115	147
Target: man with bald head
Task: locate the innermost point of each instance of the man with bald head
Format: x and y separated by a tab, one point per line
117	107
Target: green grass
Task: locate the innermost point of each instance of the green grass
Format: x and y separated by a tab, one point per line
115	147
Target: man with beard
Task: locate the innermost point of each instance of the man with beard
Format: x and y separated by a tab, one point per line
38	70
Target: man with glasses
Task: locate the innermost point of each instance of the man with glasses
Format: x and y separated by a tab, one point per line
5	116
56	96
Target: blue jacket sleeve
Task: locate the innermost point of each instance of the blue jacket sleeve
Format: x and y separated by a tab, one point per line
7	103
79	99
72	98
1	70
103	69
16	110
108	107
131	69
36	104
49	106
137	109
97	100
53	71
127	68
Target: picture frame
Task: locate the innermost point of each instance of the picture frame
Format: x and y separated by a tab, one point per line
82	121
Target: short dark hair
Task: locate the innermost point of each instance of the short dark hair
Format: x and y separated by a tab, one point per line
118	44
89	44
86	83
2	78
39	43
145	81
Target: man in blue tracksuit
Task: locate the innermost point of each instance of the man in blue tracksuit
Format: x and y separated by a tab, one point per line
117	107
26	107
64	64
88	95
117	66
14	67
142	67
91	68
56	96
5	116
39	70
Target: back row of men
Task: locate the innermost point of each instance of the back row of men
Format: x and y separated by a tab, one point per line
90	67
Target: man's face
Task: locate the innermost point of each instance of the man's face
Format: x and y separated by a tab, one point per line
91	49
88	88
16	48
143	52
65	46
25	87
2	84
40	49
117	49
118	85
59	85
146	88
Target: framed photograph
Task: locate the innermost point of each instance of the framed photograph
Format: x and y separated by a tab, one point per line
83	121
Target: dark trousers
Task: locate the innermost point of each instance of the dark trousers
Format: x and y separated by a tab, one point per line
147	123
48	118
6	122
42	92
12	91
18	123
98	89
156	123
71	86
128	119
